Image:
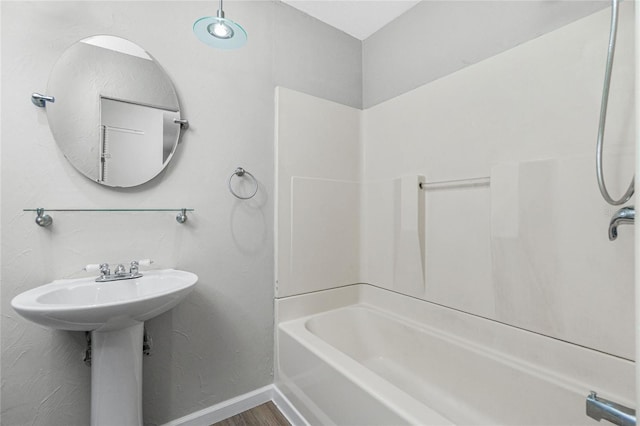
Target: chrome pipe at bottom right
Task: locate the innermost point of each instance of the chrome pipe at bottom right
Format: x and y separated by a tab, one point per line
600	408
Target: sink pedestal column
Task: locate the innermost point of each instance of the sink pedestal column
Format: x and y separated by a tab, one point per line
116	376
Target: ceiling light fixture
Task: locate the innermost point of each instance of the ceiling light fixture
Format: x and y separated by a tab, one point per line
219	32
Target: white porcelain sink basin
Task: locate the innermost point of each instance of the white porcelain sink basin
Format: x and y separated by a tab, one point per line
83	304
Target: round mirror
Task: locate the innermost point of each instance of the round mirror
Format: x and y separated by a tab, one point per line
116	115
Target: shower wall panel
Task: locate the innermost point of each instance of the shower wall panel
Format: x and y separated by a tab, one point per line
531	249
318	196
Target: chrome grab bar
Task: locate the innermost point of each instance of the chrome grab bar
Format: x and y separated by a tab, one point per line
600	408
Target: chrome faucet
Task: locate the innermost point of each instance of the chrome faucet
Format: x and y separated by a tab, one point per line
600	408
120	272
624	215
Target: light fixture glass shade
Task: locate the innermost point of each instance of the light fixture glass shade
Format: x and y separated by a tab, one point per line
220	32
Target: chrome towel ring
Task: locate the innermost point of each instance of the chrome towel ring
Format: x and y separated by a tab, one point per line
241	172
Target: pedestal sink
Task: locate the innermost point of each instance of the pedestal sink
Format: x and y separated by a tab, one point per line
114	312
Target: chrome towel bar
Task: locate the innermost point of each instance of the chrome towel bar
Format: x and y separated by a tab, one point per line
457	183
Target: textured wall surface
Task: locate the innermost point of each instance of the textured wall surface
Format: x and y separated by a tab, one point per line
436	38
218	343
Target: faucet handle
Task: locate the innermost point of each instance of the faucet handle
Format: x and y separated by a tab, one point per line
92	267
120	270
104	269
135	265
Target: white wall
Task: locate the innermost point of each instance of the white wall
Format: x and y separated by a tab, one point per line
218	343
437	38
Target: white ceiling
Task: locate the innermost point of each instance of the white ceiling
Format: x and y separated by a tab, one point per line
358	18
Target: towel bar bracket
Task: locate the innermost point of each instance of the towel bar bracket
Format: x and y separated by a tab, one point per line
41	100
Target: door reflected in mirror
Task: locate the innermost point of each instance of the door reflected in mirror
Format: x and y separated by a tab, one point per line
116	111
136	141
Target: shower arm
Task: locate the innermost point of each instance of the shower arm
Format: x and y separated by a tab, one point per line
603	114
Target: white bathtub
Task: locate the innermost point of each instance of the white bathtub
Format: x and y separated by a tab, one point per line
360	355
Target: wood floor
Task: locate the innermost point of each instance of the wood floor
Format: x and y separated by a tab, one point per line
266	414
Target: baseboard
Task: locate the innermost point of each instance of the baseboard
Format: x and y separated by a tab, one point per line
287	409
239	404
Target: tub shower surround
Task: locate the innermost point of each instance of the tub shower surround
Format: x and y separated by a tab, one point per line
489	293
